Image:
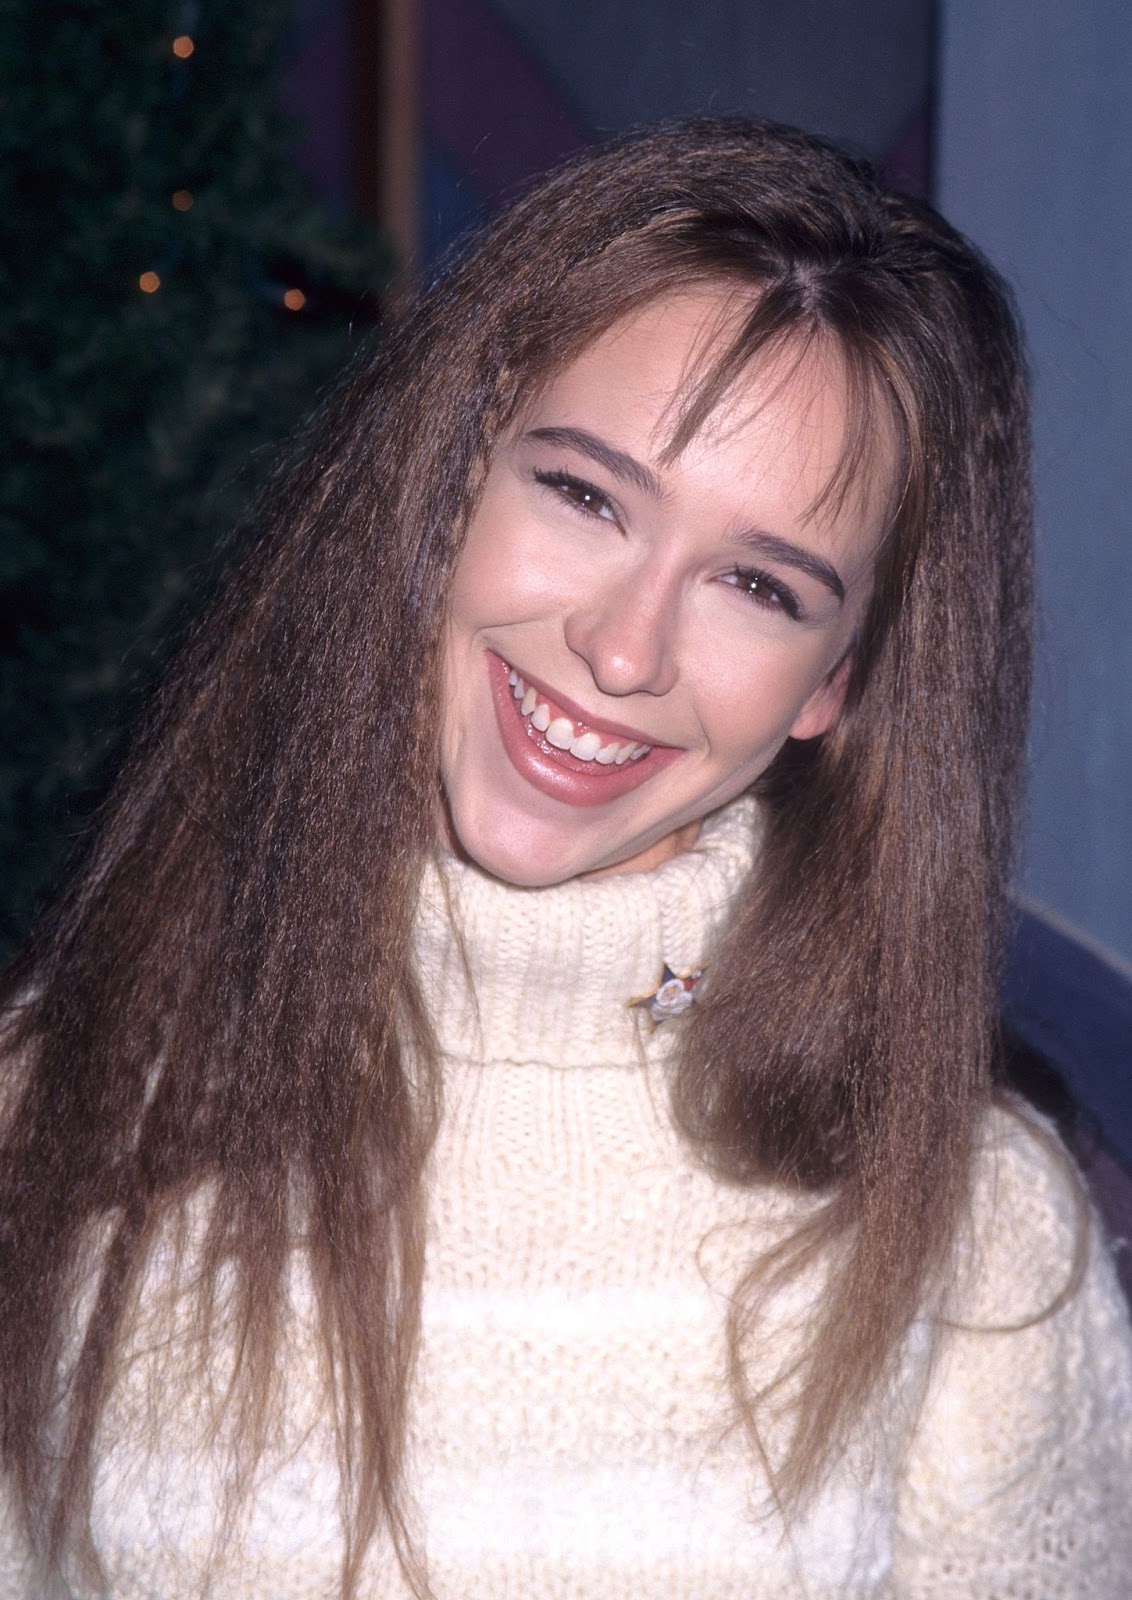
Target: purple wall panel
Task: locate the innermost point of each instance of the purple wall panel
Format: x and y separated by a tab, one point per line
491	110
317	93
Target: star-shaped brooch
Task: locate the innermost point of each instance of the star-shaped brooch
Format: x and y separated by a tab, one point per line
673	995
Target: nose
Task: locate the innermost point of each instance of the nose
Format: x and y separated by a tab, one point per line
626	633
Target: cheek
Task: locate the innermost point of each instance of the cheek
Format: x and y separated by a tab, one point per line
470	582
499	576
749	698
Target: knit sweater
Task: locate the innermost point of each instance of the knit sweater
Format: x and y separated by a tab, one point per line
572	1433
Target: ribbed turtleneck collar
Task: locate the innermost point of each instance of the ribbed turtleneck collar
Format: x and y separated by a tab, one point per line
554	971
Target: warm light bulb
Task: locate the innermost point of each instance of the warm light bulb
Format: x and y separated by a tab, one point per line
294	299
149	283
183	46
182	200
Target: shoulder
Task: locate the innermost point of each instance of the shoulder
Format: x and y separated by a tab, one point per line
1033	1312
1034	1308
1029	1235
1021	1458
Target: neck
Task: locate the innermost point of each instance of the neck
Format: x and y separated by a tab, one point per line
551	975
673	844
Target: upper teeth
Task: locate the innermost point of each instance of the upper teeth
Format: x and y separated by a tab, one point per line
584	743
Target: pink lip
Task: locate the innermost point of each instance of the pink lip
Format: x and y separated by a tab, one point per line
556	772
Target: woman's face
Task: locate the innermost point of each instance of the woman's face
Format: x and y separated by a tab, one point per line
630	642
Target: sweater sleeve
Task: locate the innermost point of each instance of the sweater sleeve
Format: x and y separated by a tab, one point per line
1019	1479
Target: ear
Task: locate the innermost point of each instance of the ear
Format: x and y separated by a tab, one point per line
823	707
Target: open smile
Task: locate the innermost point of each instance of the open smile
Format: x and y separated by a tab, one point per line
555	746
566	733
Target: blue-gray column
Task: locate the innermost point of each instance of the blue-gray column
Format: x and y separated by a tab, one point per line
1035	163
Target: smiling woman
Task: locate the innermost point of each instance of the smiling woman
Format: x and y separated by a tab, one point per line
508	1106
612	578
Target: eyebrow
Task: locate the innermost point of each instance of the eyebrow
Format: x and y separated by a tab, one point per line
629	470
625	467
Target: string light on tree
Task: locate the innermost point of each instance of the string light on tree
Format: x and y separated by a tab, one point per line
194	322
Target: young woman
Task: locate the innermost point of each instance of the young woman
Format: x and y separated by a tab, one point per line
507	1107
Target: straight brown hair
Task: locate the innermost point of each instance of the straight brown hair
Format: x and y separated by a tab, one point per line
223	1002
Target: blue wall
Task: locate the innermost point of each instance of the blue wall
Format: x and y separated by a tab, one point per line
511	85
1034	161
856	71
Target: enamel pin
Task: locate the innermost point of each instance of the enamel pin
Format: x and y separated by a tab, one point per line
672	996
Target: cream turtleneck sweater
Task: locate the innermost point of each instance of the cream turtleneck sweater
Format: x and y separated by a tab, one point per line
572	1432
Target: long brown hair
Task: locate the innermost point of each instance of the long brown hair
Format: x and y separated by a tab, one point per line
224	1000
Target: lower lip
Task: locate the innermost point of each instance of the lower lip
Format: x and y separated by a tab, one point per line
556	772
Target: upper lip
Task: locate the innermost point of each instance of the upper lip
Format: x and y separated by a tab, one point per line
619	730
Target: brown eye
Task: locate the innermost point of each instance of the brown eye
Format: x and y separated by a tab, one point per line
585	497
765	590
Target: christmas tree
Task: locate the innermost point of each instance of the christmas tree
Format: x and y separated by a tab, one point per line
172	302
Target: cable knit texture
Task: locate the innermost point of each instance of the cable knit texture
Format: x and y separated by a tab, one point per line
572	1434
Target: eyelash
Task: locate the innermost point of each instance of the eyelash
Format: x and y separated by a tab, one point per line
577	492
589	501
777	596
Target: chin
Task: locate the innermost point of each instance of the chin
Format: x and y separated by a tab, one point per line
530	857
525	868
523	875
